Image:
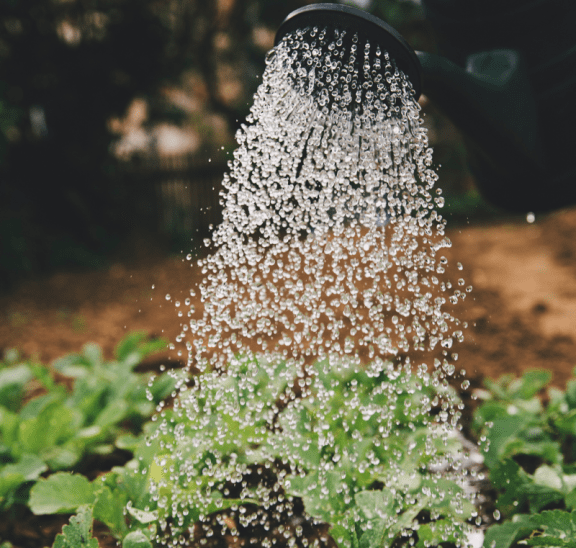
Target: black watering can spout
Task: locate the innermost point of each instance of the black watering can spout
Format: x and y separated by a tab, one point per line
492	93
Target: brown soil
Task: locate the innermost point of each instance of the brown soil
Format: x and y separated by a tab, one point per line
521	313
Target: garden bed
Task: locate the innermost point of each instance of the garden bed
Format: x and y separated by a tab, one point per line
519	444
521	316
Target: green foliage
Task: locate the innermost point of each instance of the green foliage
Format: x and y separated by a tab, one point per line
12	382
529	446
61	493
78	533
530	452
549	528
365	449
333	443
108	496
58	429
368	474
214	445
136	539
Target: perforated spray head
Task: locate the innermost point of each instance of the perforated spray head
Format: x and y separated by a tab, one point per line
355	21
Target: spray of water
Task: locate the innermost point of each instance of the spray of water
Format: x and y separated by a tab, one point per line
325	277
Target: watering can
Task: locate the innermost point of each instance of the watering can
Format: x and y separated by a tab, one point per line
506	79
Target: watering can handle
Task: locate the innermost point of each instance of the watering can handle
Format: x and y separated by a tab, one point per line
492	104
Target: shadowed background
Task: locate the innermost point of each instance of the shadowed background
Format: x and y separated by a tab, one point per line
117	118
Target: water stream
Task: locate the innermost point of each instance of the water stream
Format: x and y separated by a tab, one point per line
328	310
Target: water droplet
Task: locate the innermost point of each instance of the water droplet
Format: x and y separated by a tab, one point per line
325	274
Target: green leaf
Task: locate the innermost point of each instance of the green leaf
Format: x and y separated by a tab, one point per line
344	534
571	500
488	412
505	534
306	488
78	533
37	405
571	392
112	414
162	387
89	396
61	493
143	516
12	382
9	483
353	533
29	466
532	382
548	477
62	457
540	496
557	523
93	354
129	344
136	346
518	489
9	423
129	442
128	484
404	521
513	482
54	425
43	375
547	541
565	422
72	365
544	529
372	538
109	509
136	539
435	533
502	432
376	504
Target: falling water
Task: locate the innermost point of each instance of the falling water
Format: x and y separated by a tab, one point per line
328	265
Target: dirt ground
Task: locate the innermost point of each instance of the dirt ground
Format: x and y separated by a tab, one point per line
521	313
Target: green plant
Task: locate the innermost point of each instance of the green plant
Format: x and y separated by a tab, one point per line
364	451
529	438
383	441
357	448
56	430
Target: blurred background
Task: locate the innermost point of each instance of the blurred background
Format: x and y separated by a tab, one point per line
117	118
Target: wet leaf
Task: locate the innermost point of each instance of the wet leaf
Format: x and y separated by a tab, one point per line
78	533
136	539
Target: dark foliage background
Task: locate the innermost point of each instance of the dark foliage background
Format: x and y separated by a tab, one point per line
67	67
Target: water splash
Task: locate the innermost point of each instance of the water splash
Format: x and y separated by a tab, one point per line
327	324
